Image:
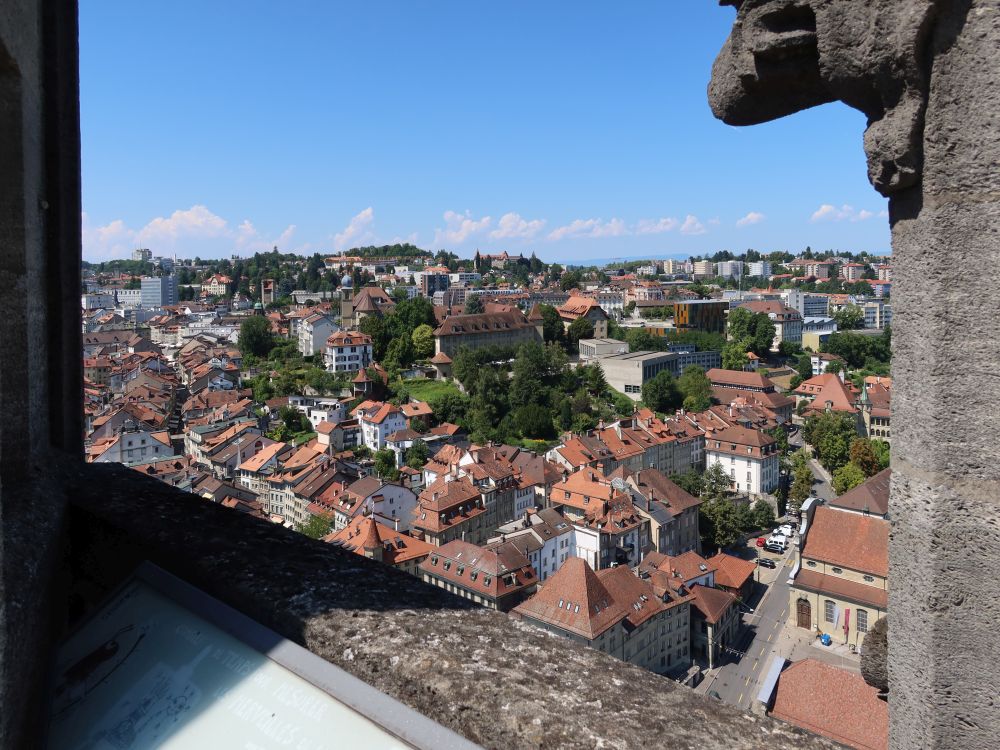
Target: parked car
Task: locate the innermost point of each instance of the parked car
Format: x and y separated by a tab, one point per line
779	539
766	562
786	529
775	548
761	541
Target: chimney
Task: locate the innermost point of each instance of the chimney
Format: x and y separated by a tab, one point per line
395	523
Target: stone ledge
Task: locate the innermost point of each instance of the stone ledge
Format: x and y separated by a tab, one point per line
498	682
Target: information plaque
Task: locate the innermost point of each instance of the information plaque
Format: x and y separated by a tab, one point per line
164	665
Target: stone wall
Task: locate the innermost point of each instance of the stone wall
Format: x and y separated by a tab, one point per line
927	75
498	682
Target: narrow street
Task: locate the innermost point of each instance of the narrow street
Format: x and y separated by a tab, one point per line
736	682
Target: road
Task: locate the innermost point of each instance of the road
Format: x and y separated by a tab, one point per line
821	484
737	681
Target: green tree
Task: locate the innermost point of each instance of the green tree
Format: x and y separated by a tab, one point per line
862	454
802	482
474	305
423	341
417	454
763	514
739	325
789	349
804	366
534	422
316	527
881	449
689	481
695	388
450	407
255	337
831	434
581	328
722	520
552	325
418	425
715	483
661	393
763	334
734	354
849	317
847	477
385	464
293	419
570	280
529	371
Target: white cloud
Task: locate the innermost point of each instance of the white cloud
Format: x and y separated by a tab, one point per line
249	239
357	230
754	217
113	240
656	226
459	227
186	232
410	239
691	225
829	212
513	226
196	222
590	228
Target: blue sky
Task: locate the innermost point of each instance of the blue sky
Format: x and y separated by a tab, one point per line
574	130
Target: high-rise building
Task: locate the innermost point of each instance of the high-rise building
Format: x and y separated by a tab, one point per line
142	254
704	268
729	269
159	291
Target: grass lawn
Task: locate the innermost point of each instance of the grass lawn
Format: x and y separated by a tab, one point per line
424	389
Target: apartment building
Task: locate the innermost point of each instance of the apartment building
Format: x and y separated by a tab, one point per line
314	331
347	351
748	457
614	611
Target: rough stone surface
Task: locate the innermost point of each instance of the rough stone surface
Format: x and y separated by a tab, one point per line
501	683
875	655
927	74
784	56
40	368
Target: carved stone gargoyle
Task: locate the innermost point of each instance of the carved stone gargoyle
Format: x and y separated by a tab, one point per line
784	56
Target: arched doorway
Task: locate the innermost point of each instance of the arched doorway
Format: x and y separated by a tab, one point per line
803	612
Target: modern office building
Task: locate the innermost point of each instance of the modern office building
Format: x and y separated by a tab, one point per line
626	373
707	315
159	291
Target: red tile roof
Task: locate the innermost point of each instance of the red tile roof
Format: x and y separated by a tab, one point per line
738	379
850	540
365	534
578	600
731	572
834	703
712	603
871	496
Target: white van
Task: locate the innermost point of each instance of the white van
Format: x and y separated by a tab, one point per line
777	540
